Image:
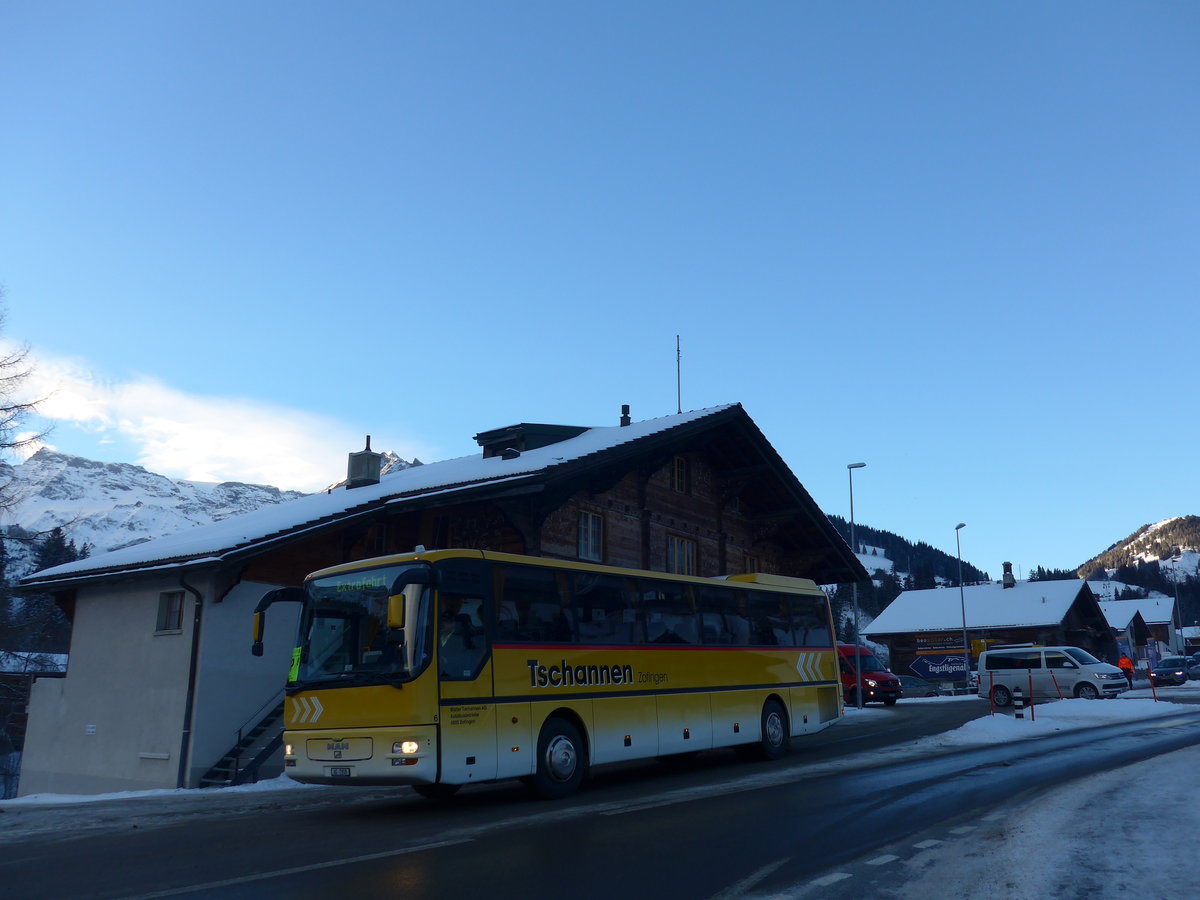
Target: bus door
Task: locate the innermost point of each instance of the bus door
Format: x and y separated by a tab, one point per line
610	629
467	711
684	717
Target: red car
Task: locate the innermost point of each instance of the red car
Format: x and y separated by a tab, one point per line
877	684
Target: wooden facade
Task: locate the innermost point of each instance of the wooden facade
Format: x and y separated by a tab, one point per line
703	490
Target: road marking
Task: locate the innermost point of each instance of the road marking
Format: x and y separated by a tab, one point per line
741	888
832	878
925	845
962	829
882	860
295	870
638	807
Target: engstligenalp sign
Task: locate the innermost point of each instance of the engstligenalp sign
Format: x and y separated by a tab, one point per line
939	665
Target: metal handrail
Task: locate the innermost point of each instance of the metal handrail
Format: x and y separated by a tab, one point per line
253	722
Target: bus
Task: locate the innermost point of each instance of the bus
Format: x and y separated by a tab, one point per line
450	667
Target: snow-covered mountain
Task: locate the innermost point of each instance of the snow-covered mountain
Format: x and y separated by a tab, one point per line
1174	543
114	505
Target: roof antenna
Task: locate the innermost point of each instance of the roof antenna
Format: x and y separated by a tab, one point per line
678	382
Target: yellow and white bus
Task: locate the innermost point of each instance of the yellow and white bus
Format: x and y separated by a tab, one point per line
444	668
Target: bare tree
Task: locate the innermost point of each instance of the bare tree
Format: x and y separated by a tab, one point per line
15	370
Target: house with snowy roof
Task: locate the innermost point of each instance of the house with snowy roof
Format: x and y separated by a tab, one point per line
1159	611
924	630
1128	627
161	689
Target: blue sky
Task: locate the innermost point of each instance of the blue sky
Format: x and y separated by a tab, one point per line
957	242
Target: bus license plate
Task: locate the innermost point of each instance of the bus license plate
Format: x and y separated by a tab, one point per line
339	771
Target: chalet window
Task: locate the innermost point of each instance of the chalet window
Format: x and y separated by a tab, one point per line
679	475
170	611
681	555
591	537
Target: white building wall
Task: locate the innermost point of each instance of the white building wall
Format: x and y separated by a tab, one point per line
115	721
233	686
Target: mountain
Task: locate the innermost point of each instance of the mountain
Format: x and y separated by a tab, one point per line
918	559
106	506
1175	542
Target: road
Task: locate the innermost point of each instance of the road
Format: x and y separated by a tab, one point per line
719	828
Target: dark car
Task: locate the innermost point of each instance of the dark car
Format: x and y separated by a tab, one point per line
1170	670
919	687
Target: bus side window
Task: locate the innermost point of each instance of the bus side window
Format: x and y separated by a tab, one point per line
720	619
765	626
670	618
604	610
809	622
532	605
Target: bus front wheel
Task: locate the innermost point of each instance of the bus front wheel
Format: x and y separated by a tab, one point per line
561	760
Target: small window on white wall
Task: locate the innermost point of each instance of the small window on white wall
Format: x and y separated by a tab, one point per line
591	537
170	611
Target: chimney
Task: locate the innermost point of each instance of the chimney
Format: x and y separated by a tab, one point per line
1008	580
625	420
363	467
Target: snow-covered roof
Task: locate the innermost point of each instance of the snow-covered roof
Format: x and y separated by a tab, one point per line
286	519
1154	610
1028	603
1119	613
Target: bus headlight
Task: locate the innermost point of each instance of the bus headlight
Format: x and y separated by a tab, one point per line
287	750
405	747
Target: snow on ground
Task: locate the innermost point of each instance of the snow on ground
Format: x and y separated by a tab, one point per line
1119	834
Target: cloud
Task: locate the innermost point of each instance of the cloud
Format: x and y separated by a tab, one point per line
196	437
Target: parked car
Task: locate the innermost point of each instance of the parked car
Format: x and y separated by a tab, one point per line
877	684
1047	673
1170	670
920	687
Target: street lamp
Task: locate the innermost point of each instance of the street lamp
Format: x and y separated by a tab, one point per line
962	603
850	467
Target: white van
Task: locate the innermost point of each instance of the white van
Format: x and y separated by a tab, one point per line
1053	672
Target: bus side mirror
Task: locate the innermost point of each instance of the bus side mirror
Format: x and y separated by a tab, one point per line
279	595
395	611
260	622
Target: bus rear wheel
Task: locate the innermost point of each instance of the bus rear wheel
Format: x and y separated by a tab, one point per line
561	760
774	741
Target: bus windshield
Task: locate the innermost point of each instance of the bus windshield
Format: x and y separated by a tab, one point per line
344	638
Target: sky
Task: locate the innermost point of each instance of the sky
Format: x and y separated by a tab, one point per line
1017	835
956	242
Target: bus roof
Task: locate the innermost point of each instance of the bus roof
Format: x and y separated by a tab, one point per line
760	579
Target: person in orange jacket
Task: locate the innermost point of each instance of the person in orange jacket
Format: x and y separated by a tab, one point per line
1125	664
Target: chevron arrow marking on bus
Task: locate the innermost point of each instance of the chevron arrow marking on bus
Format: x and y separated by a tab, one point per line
809	666
308	709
